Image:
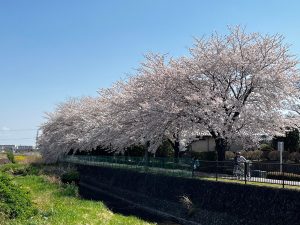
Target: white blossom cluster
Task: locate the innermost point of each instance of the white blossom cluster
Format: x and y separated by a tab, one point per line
232	87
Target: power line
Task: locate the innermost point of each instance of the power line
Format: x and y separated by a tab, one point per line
7	139
14	130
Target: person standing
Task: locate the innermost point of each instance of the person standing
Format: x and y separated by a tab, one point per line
239	165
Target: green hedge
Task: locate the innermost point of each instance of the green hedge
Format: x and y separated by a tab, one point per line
14	202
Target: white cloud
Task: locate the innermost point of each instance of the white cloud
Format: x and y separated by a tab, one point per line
4	128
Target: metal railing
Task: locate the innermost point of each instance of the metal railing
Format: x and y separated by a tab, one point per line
263	172
181	167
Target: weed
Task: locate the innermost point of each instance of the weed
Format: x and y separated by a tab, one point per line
14	201
10	156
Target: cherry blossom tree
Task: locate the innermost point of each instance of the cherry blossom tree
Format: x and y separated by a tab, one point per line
68	128
235	87
140	112
248	81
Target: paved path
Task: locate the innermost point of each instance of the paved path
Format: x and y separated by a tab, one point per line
263	180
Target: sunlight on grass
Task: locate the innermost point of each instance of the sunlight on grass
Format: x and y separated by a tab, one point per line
25	159
20	158
60	204
251	183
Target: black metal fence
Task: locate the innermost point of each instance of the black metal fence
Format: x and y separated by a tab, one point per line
263	172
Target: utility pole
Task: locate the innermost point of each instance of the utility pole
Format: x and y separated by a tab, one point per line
280	147
36	138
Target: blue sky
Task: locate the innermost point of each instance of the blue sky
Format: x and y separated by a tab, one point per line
52	50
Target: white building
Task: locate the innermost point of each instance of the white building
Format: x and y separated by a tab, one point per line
24	148
7	147
206	143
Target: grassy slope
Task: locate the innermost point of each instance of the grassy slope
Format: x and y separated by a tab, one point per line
59	204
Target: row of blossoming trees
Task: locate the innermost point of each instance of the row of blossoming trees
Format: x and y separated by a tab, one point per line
233	87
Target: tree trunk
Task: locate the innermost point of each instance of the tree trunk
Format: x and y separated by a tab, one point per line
221	147
176	151
146	155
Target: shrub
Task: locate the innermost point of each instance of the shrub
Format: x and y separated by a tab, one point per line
249	154
209	156
244	153
229	155
294	156
275	155
255	155
19	169
70	190
266	147
285	176
70	177
14	202
10	156
10	168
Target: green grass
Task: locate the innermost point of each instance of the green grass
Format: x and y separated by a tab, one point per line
60	204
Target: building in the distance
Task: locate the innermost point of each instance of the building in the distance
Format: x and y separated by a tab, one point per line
16	148
20	148
7	147
206	143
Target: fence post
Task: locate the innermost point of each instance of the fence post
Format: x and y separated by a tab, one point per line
217	168
282	165
245	172
193	165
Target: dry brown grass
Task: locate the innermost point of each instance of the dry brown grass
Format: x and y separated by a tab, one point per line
52	179
28	159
